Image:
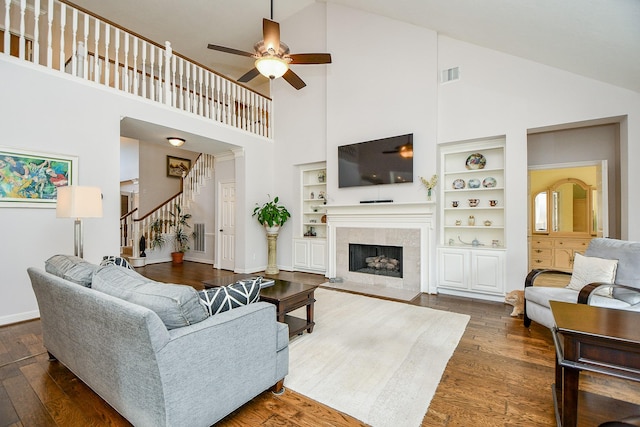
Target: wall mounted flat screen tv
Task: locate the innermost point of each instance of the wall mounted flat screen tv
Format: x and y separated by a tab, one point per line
380	161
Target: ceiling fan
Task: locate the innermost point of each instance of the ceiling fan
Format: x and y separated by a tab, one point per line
273	56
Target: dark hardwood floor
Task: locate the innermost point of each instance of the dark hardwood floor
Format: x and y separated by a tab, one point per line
499	375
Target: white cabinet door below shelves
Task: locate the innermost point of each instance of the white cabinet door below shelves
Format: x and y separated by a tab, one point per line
453	268
318	258
487	271
300	253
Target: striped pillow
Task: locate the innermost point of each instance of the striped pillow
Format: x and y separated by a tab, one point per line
219	299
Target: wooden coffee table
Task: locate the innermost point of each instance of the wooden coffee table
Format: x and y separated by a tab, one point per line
286	296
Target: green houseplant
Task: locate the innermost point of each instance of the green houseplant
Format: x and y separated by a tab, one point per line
178	224
271	214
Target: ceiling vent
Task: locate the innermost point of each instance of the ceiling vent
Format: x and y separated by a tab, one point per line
450	74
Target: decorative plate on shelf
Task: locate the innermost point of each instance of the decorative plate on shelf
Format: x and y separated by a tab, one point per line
458	184
489	182
476	161
474	183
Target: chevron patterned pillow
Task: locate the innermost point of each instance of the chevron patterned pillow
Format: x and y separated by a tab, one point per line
115	260
223	298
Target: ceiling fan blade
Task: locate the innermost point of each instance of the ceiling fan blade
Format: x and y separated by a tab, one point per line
310	58
293	79
249	75
271	35
229	50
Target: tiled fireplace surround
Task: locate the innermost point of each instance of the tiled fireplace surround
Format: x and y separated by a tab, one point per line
409	225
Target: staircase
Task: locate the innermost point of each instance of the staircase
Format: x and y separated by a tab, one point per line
133	226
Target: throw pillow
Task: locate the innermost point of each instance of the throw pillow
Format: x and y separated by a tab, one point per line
71	268
115	260
591	270
223	298
176	305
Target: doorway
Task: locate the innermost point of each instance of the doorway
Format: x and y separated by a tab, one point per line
226	246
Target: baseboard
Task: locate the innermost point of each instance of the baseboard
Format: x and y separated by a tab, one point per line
475	295
19	317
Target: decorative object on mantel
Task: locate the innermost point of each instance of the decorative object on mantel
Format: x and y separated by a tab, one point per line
272	216
430	184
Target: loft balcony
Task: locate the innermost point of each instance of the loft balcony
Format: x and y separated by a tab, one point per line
60	37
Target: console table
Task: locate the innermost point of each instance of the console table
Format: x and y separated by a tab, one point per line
593	339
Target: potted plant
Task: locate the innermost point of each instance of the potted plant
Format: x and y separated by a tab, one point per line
271	215
179	235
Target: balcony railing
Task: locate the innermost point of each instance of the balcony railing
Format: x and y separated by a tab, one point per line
73	41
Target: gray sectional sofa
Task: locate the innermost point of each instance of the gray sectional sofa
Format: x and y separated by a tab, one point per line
153	375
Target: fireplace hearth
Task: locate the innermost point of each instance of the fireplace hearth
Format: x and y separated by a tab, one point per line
376	259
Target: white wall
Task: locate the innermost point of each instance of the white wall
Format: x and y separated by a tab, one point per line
129	159
500	94
385	82
54	113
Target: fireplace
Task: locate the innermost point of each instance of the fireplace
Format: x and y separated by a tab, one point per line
398	225
376	259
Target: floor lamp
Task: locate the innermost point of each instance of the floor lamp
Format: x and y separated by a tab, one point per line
79	202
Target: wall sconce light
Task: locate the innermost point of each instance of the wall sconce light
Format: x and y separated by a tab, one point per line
176	142
78	202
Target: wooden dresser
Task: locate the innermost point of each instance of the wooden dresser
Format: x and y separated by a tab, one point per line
555	252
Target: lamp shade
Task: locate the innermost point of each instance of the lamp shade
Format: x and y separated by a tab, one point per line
272	66
79	202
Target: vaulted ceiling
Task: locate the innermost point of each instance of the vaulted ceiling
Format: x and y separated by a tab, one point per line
599	39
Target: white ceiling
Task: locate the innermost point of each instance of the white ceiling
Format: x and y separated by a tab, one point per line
599	39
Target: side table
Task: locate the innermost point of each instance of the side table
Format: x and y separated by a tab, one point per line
595	339
288	296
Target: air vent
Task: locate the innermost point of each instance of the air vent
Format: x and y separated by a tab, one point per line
198	241
450	74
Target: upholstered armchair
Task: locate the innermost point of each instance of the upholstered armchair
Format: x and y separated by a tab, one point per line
608	275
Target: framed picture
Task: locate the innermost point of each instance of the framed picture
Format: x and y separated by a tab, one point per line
31	179
177	166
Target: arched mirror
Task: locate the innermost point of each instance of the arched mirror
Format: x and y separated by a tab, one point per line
565	208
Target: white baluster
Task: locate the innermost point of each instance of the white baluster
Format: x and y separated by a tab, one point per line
188	83
49	35
7	25
116	61
180	83
152	65
96	57
85	60
168	53
143	46
159	89
36	32
136	81
107	66
63	23
207	99
21	43
74	47
126	83
174	86
200	100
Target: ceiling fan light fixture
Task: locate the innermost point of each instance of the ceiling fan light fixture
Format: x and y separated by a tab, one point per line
176	142
406	151
272	66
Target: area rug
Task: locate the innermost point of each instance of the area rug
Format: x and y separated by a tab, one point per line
376	360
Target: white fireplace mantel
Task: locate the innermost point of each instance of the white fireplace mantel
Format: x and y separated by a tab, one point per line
388	216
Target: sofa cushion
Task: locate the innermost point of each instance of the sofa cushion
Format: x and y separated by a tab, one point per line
593	270
115	260
223	298
176	305
628	256
71	268
541	295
